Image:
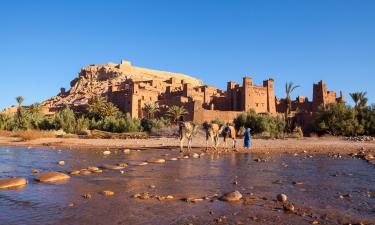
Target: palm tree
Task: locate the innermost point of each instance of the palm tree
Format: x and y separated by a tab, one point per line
109	109
359	99
289	88
175	112
151	108
20	100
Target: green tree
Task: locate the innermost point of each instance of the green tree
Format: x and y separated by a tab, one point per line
22	116
337	119
20	100
175	112
35	115
66	120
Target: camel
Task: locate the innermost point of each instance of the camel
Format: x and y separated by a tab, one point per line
187	131
212	132
229	132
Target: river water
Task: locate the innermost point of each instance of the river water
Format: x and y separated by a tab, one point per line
320	179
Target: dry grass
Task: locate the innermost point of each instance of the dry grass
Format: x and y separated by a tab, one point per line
28	135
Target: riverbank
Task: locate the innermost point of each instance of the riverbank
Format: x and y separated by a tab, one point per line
323	145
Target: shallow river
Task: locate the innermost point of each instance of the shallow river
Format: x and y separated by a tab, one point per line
321	179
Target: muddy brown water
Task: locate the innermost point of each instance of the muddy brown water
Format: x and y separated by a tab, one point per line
321	180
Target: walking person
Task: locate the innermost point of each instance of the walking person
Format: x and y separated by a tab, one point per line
247	141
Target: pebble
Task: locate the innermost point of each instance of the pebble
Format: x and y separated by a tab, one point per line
34	171
231	197
195	155
92	168
112	167
282	198
122	164
289	208
87	196
107	193
127	151
106	152
61	163
52	177
12	182
75	172
172	159
143	196
297	182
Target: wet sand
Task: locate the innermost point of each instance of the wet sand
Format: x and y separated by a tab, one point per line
291	145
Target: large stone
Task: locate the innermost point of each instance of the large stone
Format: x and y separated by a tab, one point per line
231	197
52	177
12	182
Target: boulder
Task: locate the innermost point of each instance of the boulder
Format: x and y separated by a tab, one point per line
12	182
231	196
52	177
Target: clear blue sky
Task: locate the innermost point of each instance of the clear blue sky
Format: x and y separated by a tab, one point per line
43	44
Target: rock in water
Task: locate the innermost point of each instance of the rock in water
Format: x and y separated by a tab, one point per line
106	152
195	155
107	193
12	182
92	168
156	160
61	163
52	177
282	198
112	167
172	159
231	197
85	172
75	172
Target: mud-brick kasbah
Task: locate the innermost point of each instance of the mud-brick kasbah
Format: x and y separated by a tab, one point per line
130	88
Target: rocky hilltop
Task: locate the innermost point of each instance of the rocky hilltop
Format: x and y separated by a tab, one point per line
94	80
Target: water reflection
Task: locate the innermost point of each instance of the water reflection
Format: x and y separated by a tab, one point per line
323	179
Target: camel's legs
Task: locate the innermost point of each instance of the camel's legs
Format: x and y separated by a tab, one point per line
189	143
181	144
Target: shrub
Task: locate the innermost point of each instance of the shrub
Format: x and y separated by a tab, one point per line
260	124
150	124
120	124
6	122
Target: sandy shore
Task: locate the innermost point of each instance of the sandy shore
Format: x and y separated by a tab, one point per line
312	144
